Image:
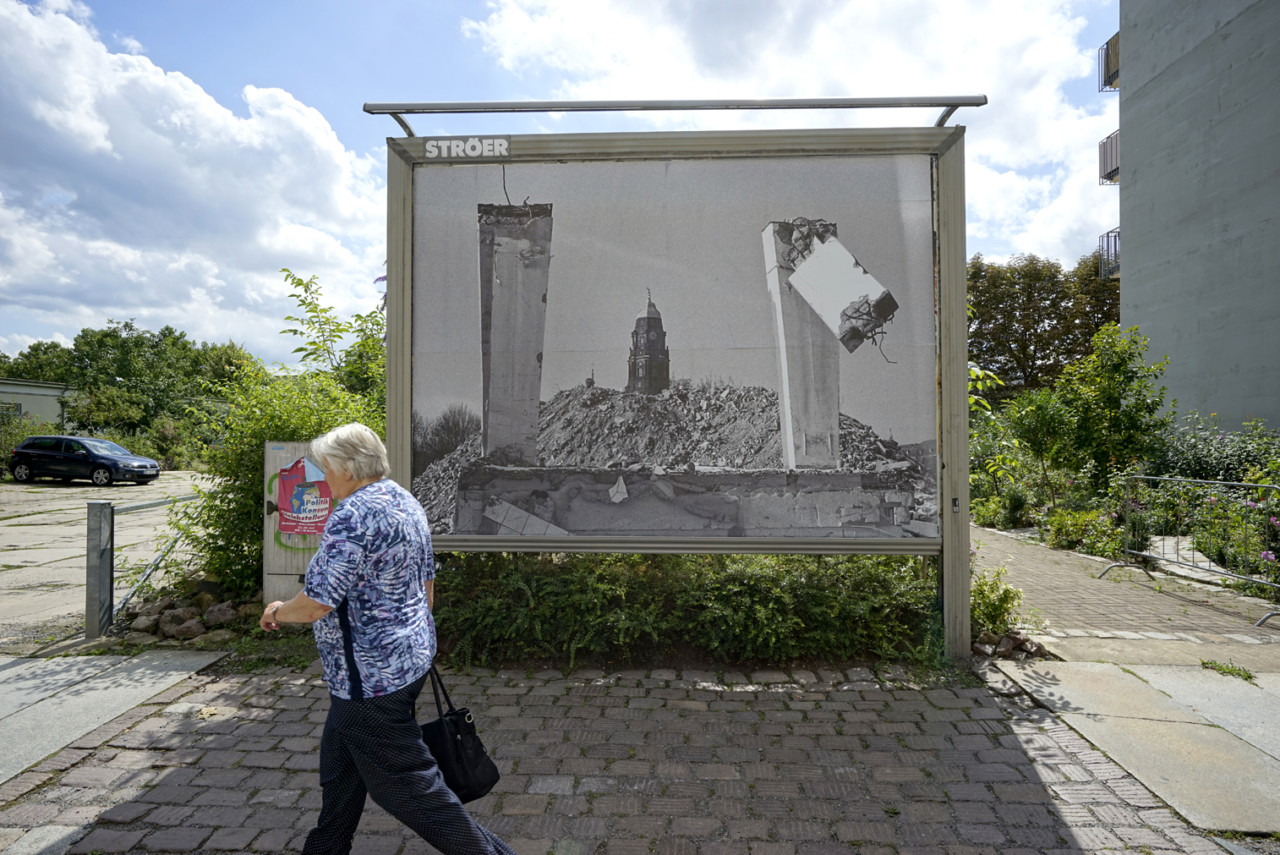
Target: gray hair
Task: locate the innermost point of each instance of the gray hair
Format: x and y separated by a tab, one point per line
355	448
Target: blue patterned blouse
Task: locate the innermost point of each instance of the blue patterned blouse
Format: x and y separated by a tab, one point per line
376	553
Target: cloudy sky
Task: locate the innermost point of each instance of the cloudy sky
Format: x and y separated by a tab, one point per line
162	161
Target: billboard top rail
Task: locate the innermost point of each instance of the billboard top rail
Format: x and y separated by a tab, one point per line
398	110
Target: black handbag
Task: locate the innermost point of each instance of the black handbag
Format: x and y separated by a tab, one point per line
460	754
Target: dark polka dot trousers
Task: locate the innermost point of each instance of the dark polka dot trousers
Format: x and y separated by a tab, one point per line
374	747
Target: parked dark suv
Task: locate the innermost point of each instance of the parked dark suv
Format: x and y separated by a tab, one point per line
68	457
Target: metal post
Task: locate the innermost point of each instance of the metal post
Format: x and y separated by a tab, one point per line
99	568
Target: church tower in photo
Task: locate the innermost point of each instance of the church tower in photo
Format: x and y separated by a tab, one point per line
649	365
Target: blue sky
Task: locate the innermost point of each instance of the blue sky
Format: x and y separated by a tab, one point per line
162	160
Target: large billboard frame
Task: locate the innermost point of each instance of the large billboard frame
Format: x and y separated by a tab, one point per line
943	147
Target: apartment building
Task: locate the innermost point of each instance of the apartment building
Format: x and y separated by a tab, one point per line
1199	89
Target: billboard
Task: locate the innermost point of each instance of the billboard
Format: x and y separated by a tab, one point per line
676	342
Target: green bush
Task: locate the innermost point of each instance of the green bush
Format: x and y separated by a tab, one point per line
988	511
1239	530
495	609
14	429
1093	532
993	603
1007	511
777	608
223	527
1199	448
1113	407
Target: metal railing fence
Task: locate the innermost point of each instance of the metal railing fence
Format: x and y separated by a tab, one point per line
100	557
1221	528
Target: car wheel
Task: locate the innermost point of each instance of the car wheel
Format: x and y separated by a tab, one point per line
101	476
21	472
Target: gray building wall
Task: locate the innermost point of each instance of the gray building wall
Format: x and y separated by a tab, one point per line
1200	198
34	398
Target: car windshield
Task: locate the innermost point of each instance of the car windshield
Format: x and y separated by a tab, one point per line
106	446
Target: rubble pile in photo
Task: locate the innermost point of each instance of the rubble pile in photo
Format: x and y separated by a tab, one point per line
689	426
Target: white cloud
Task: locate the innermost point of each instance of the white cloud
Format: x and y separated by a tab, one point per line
128	192
1032	181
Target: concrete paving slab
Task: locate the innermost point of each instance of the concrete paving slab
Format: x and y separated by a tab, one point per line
46	840
1245	709
43	727
1259	658
1097	688
1208	775
29	681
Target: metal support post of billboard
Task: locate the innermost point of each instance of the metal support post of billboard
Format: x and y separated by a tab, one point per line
99	590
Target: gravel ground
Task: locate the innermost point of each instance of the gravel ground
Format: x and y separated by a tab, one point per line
23	639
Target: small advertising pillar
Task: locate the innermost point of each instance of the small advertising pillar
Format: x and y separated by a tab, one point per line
296	505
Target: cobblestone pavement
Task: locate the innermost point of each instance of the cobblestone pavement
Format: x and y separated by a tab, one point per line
1061	591
762	763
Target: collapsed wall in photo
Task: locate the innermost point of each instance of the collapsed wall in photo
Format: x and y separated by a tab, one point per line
822	298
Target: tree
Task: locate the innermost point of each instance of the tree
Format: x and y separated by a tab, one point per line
1030	318
1115	409
1040	422
46	361
337	385
434	439
360	366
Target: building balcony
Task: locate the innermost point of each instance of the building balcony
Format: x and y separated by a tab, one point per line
1109	65
1109	254
1109	160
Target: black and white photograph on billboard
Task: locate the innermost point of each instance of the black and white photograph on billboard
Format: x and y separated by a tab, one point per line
696	348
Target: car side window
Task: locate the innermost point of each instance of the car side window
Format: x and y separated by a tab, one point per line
69	447
45	445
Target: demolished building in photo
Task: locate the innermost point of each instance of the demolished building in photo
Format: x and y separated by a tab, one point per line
676	458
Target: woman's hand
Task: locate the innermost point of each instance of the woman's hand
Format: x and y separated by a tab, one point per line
269	621
301	609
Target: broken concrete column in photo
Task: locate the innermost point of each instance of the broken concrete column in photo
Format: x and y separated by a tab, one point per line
515	258
852	304
808	356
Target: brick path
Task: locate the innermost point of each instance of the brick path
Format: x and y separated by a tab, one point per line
1061	590
766	763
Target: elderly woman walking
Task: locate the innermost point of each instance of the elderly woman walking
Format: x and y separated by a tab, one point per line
369	591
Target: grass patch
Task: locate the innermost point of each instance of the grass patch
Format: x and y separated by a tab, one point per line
1228	670
291	647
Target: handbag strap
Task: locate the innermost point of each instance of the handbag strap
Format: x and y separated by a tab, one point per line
438	689
349	652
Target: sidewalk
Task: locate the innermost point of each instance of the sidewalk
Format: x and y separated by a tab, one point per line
780	762
768	763
1134	681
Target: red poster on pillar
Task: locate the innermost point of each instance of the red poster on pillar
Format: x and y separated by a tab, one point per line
303	498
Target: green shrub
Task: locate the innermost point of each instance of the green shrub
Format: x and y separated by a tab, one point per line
495	609
14	429
1114	409
223	528
989	511
993	603
1093	532
1239	530
1199	448
1008	510
776	608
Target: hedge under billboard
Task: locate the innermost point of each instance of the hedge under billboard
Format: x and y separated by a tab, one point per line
701	347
